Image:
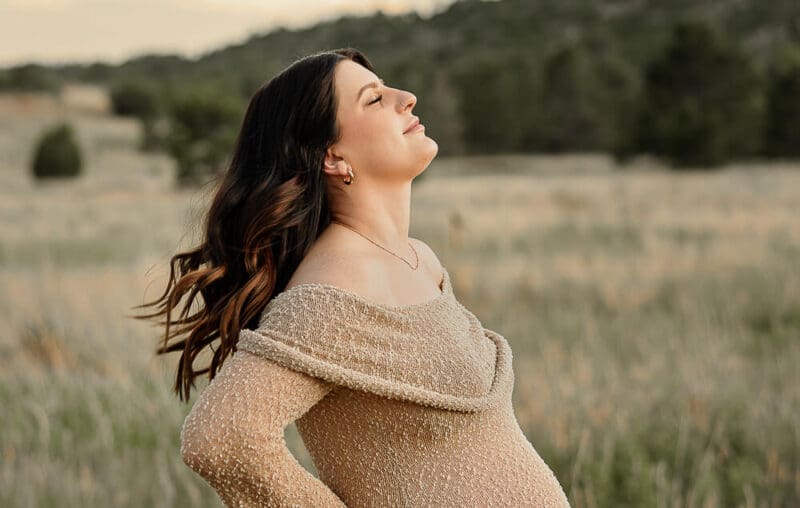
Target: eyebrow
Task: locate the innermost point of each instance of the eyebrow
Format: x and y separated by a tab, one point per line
373	84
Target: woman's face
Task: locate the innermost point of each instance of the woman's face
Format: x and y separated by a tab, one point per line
372	121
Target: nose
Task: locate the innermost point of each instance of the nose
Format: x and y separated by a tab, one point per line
408	102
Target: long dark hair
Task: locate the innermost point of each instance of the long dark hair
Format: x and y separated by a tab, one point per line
269	207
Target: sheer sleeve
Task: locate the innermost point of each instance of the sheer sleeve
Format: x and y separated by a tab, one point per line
234	435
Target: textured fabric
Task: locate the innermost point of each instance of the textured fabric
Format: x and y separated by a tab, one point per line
398	406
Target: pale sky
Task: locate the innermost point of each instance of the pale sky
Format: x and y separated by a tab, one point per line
58	31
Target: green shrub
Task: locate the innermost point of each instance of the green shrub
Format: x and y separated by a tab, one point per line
140	100
203	128
134	99
57	154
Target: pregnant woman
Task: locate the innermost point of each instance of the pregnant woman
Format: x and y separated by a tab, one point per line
329	315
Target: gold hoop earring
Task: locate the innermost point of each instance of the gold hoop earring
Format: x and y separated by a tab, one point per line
350	173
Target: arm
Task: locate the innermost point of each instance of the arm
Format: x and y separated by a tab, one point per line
233	435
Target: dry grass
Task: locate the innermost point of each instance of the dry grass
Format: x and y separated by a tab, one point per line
654	319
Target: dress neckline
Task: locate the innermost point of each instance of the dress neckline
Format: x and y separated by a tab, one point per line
445	290
334	334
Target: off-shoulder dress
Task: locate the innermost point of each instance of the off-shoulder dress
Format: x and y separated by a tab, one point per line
401	406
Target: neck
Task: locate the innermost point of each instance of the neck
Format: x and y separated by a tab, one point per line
383	215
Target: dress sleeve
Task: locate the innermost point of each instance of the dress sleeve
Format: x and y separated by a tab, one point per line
233	435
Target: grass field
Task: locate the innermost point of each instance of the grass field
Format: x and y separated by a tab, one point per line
654	318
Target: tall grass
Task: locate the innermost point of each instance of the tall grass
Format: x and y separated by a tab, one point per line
654	319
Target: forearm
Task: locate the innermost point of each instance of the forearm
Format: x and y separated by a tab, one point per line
274	478
233	436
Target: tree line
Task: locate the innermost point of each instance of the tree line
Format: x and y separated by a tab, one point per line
523	77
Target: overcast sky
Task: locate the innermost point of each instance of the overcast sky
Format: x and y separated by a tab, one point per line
50	31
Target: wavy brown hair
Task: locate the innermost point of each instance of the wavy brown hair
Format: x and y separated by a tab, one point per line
269	207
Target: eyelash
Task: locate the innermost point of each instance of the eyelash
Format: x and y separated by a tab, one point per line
377	99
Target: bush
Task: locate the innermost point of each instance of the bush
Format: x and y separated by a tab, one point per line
57	154
203	129
135	99
140	100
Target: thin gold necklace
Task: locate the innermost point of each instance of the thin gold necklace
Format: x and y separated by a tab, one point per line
384	248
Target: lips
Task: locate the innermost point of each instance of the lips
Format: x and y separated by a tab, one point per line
413	124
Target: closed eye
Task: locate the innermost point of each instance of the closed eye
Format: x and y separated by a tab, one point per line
376	100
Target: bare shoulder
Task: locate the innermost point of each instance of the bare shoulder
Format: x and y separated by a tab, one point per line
363	274
431	260
356	273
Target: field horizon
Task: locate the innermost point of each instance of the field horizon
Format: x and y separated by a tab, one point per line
654	317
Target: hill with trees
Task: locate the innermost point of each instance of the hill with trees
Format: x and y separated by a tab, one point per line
622	76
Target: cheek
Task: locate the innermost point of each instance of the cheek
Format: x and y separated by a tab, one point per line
374	134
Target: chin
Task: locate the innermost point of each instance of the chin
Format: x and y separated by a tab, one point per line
429	156
434	148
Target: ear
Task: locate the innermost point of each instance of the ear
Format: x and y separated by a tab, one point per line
333	165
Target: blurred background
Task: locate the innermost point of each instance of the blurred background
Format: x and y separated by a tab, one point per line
617	192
